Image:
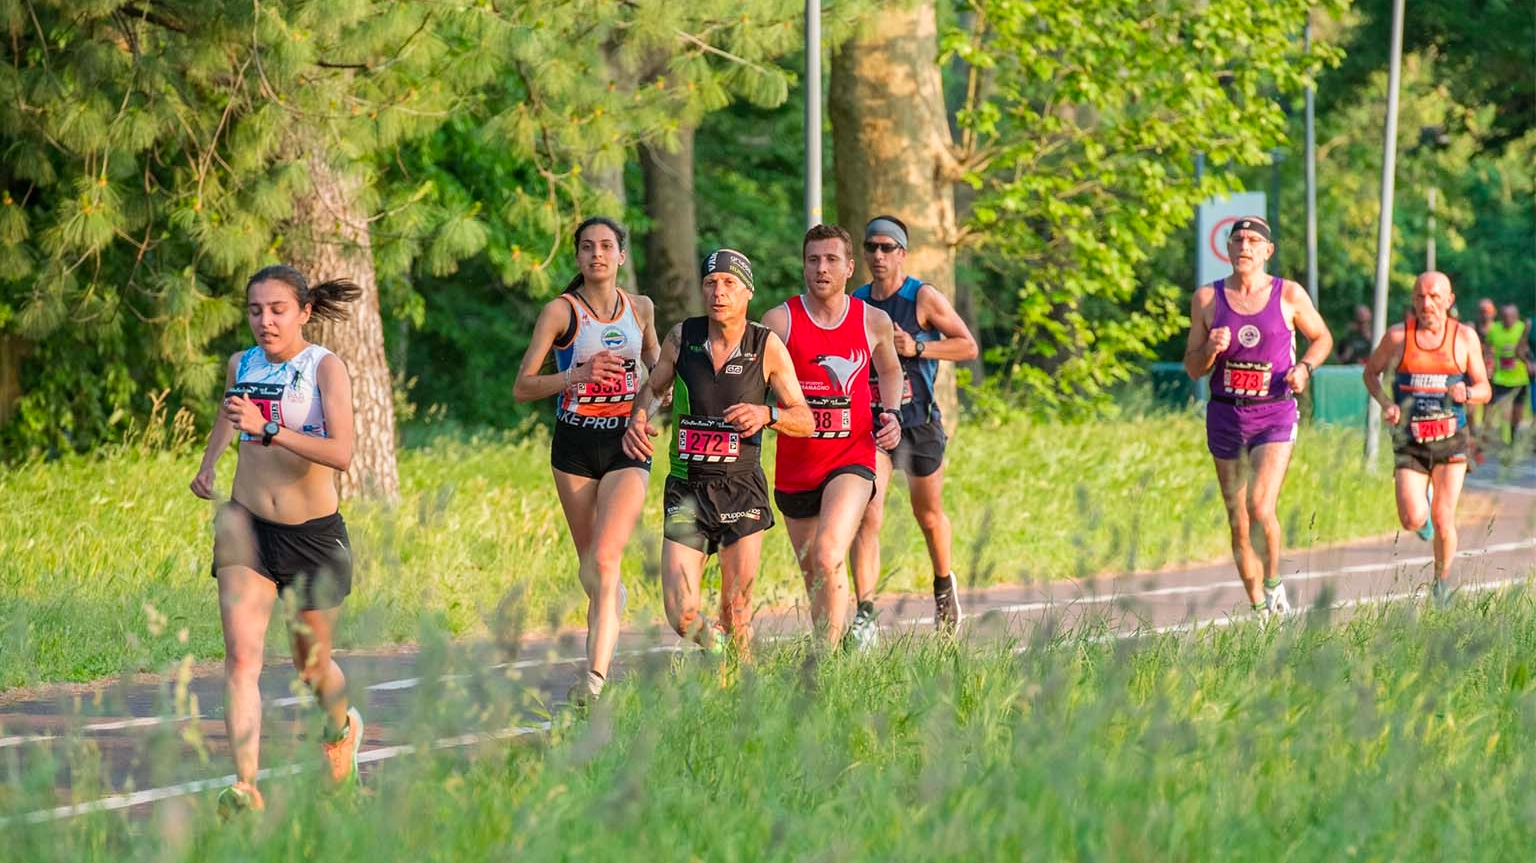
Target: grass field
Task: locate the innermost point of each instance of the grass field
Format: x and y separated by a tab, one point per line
102	558
1401	734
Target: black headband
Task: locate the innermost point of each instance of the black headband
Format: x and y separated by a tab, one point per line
1255	225
729	261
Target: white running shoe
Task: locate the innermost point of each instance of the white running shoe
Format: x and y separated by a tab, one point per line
1275	600
863	634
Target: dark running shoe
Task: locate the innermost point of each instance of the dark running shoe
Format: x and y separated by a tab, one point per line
946	607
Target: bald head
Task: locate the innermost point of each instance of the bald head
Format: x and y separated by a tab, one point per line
1431	280
1432	298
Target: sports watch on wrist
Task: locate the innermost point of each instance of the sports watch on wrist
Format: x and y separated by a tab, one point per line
773	415
268	432
918	351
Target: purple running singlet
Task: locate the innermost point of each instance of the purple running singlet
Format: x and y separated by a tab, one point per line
1251	404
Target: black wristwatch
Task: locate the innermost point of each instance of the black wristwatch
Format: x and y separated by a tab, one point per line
918	351
773	415
268	432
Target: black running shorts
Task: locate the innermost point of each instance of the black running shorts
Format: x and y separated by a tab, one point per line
590	453
1500	393
313	557
709	514
921	451
1422	457
807	504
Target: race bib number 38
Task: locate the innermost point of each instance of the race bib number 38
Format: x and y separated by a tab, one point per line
833	416
707	439
1246	380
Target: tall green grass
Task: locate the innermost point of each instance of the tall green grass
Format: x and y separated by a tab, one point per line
1398	735
100	555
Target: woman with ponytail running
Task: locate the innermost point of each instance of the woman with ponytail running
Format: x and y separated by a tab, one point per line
604	342
290	403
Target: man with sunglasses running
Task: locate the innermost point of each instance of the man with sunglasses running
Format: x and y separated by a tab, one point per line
927	329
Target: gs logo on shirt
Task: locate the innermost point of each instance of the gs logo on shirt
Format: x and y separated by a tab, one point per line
614	338
1248	336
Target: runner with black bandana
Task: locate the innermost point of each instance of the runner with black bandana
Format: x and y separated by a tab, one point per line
720	368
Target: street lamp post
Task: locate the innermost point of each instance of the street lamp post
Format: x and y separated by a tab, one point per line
1384	224
812	113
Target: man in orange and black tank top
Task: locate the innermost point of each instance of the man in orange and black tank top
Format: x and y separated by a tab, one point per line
823	483
1438	370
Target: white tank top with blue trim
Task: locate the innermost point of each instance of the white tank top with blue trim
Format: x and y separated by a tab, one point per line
287	392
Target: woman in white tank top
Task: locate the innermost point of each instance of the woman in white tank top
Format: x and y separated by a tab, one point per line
290	404
605	341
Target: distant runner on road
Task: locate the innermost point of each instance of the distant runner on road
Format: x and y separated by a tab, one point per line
1242	332
604	339
290	404
926	330
720	368
1437	367
822	484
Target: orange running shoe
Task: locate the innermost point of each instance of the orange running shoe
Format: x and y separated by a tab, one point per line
239	798
341	756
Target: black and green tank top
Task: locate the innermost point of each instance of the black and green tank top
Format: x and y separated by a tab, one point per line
704	445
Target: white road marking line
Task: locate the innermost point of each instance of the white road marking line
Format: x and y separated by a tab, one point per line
152	795
19	739
138	722
1100	599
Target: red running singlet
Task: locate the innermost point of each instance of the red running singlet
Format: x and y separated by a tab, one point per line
833	367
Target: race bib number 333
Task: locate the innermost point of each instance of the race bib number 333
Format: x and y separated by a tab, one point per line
621	390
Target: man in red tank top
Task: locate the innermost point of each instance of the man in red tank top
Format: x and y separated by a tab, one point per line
822	483
1438	370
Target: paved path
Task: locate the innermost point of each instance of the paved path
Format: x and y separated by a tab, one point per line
163	737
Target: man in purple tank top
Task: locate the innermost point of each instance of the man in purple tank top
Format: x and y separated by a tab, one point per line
1242	332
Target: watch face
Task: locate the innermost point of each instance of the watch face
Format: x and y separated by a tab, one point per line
270	428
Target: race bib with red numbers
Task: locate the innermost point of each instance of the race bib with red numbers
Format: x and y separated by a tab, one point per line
1246	380
268	398
1428	428
833	416
707	439
622	389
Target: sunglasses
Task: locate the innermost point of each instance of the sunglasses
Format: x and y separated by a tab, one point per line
888	248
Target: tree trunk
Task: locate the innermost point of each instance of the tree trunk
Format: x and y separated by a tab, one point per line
331	240
610	181
12	349
892	148
672	246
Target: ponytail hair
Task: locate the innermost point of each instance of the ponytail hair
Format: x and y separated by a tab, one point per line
327	301
610	224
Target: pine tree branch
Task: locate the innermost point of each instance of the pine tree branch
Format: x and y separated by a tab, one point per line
150	17
720	52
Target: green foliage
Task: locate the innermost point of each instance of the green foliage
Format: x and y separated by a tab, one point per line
155	154
1485	51
1079	142
1486	196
